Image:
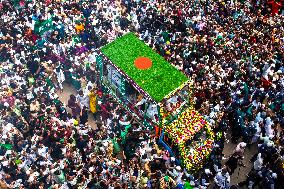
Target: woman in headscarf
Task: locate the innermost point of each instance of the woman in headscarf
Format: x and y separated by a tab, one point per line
232	163
74	105
84	116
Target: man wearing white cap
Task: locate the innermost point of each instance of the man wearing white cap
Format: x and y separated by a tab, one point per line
176	173
240	149
222	179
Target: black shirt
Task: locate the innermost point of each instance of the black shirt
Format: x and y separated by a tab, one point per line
33	66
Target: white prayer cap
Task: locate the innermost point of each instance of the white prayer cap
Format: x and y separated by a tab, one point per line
269	144
91	169
207	171
178	168
243	144
105	144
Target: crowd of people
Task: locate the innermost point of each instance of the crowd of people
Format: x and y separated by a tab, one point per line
233	50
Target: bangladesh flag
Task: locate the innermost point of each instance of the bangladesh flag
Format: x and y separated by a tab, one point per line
149	70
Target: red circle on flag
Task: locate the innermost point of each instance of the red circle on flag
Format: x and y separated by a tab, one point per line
143	63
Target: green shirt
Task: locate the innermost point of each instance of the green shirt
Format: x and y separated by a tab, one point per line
116	147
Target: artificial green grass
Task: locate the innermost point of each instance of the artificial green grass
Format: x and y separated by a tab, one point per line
158	81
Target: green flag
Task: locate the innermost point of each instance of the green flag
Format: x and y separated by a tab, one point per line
43	26
7	146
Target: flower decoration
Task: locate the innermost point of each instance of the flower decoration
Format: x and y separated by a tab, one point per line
188	124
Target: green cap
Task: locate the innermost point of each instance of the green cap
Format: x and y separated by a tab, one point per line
18	161
187	185
166	178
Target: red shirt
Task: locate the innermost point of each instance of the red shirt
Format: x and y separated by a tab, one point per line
275	6
265	83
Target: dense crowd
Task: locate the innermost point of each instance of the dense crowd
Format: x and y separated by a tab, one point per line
233	50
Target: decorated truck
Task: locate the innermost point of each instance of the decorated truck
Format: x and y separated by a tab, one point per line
158	95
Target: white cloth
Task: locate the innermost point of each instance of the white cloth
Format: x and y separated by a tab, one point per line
83	100
60	76
142	101
258	118
222	180
42	151
258	162
269	131
152	110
